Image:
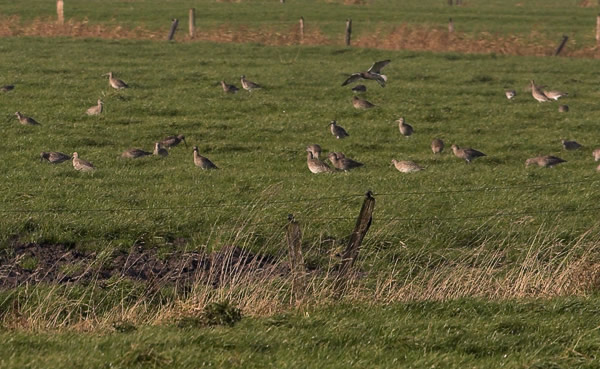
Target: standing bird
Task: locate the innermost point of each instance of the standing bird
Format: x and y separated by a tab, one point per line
337	131
437	146
230	89
82	165
173	141
26	121
406	166
547	161
467	154
249	85
359	103
596	154
201	161
405	129
115	82
54	157
373	73
570	145
510	94
159	150
314	149
555	95
316	165
537	93
341	162
95	110
135	153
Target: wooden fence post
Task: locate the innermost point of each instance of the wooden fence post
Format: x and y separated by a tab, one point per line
598	30
301	29
450	2
458	2
293	236
60	11
363	223
348	31
173	29
450	26
562	44
192	22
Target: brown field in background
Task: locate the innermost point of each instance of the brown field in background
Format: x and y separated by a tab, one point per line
403	37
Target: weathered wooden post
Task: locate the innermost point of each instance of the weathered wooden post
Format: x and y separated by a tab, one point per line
192	22
450	26
458	2
363	223
450	2
293	236
598	30
173	29
348	31
60	11
562	44
301	29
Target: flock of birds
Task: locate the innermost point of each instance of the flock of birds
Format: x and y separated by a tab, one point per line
314	163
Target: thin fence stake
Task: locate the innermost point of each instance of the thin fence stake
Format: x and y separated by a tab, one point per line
60	7
173	29
450	2
192	22
293	236
348	31
450	26
562	44
301	29
598	29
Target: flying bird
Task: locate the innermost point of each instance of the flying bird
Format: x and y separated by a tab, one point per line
373	73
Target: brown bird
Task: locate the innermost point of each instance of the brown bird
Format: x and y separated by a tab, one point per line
201	161
510	94
135	153
54	157
96	109
337	131
341	162
315	149
467	154
547	161
405	129
26	121
437	146
373	73
537	93
359	103
159	150
115	82
554	95
570	145
82	165
406	166
596	154
315	165
173	141
230	89
249	85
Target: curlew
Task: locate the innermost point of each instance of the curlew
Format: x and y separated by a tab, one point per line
201	161
315	165
341	162
406	166
135	153
159	150
82	165
337	131
95	110
546	161
437	146
554	95
359	88
467	154
315	149
570	145
173	141
26	121
230	89
373	73
537	93
510	94
596	154
7	88
359	103
115	82
249	85
405	129
54	157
